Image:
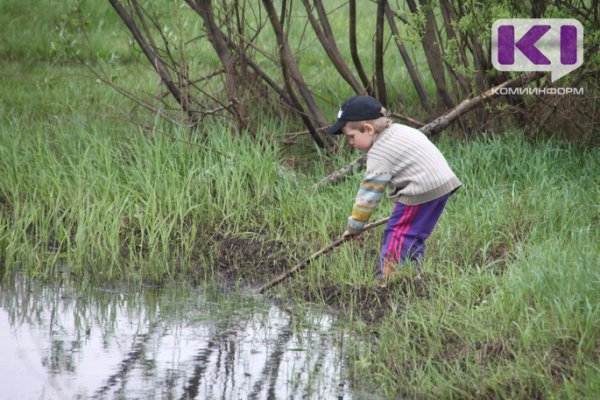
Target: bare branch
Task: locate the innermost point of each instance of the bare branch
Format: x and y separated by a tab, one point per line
354	49
155	60
412	72
325	35
292	75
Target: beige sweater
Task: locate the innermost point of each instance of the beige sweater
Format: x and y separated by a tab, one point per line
403	159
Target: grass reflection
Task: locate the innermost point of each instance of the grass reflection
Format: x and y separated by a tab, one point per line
168	343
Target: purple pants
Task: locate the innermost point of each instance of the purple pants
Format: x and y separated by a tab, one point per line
405	234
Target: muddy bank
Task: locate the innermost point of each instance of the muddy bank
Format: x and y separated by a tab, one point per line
252	259
255	261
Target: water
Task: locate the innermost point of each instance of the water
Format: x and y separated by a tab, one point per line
62	342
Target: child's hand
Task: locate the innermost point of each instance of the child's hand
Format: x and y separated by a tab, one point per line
347	234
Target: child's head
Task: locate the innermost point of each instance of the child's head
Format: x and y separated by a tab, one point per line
360	118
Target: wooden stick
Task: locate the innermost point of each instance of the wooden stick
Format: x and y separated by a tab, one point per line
279	278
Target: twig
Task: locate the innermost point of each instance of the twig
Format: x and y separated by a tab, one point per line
410	120
279	278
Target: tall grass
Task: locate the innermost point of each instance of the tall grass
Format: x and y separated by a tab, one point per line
510	306
79	189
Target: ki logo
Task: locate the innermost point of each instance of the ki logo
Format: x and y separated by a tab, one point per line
546	44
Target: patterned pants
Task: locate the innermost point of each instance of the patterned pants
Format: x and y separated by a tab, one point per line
405	234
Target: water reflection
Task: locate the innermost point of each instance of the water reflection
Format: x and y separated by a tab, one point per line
59	342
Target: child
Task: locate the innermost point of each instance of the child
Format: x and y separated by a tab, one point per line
403	159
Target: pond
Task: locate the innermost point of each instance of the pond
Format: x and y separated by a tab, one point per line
59	341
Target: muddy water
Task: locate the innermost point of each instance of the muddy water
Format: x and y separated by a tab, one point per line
62	342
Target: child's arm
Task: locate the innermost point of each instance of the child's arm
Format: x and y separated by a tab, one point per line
369	194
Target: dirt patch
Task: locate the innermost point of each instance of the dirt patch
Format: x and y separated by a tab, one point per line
256	259
500	254
453	350
373	301
524	388
561	360
495	349
251	259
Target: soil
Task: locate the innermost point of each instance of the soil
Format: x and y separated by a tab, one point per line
256	260
374	300
250	259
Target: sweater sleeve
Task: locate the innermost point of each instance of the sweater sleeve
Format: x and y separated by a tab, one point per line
369	194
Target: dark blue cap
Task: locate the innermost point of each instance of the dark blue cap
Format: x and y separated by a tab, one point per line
356	108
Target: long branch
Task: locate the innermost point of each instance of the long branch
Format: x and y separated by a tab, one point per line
291	74
325	36
354	48
379	75
284	275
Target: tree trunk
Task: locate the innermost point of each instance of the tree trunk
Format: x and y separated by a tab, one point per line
325	36
292	77
219	44
449	18
354	49
156	61
379	52
433	54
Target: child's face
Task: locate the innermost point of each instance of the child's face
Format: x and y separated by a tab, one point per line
362	140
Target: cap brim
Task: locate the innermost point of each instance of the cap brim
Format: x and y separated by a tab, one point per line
336	128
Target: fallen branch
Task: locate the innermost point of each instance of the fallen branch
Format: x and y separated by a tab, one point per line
279	278
440	123
410	120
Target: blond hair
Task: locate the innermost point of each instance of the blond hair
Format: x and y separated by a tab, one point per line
379	124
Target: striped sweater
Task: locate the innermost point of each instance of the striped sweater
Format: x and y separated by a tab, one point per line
403	159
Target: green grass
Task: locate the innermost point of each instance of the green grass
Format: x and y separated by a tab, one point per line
48	31
531	332
507	306
56	37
